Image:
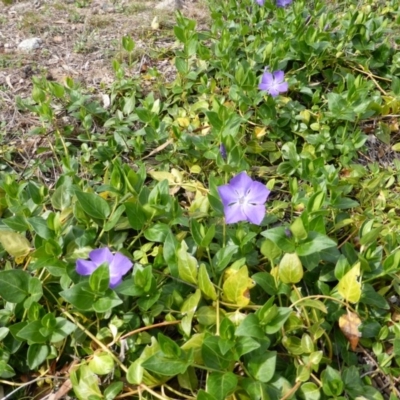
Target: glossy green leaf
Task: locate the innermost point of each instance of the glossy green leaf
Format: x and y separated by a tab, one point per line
93	205
14	285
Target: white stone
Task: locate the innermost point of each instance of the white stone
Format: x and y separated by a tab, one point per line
169	5
30	44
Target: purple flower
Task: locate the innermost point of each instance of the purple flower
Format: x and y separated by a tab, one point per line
243	199
260	2
283	3
222	150
118	264
273	83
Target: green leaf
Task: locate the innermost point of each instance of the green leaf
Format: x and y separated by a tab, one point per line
37	353
290	269
298	230
262	366
61	198
205	284
136	215
101	363
221	385
80	296
269	249
212	356
40	227
187	264
349	286
245	344
14	285
162	365
266	281
332	383
85	383
93	205
157	233
15	244
168	346
6	371
250	326
188	309
107	302
224	256
309	391
276	323
315	243
100	279
62	329
32	333
113	390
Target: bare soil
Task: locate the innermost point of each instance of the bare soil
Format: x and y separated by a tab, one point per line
80	38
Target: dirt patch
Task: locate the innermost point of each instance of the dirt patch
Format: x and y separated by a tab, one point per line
79	40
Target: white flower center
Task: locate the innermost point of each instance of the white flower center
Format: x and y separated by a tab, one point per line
242	200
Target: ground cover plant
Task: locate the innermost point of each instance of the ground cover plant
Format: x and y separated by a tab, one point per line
231	234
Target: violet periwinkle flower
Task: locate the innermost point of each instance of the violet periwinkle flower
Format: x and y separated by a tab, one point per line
222	150
243	199
260	2
118	264
273	83
283	3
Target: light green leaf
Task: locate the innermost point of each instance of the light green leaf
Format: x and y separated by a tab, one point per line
85	383
102	363
188	309
187	264
290	268
205	284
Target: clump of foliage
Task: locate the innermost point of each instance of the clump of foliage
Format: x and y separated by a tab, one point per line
297	303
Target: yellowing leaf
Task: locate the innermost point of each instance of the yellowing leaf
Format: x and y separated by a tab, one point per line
183	122
259	132
349	324
236	287
15	244
349	287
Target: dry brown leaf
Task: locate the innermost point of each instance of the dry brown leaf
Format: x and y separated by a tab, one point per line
349	324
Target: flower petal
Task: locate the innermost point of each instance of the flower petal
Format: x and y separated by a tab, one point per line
283	87
279	76
101	256
241	184
254	213
267	78
119	266
234	213
228	195
273	91
264	86
85	267
258	194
